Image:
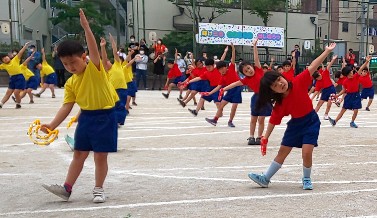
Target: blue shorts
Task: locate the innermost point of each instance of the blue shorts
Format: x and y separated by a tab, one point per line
97	131
32	83
233	95
326	92
120	106
179	79
367	93
131	89
17	82
50	79
303	130
263	112
352	101
214	97
200	86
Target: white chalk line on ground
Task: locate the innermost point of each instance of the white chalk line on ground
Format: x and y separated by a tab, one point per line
191	201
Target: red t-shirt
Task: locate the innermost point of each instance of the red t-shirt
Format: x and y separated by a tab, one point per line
197	72
213	77
318	85
159	49
326	80
366	81
341	80
289	75
351	85
253	82
351	58
297	103
174	72
230	76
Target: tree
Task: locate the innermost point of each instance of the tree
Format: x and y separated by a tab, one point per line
68	18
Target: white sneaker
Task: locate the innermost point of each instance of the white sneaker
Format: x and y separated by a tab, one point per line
326	117
98	195
58	190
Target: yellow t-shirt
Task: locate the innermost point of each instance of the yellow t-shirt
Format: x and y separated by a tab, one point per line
46	69
116	76
13	67
26	72
91	90
128	75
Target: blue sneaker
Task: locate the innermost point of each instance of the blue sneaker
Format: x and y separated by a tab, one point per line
333	122
230	124
353	125
259	179
307	184
211	121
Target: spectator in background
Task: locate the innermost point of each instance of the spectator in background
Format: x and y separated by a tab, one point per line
181	64
141	68
35	60
297	54
350	57
159	48
189	58
158	70
144	46
132	41
59	68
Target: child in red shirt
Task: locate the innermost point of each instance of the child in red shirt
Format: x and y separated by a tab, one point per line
174	74
367	84
303	128
289	68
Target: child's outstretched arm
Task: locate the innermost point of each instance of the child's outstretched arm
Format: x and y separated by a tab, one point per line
256	57
22	51
293	64
103	51
114	46
367	60
318	61
90	41
59	117
332	62
233	59
231	86
175	55
224	54
28	59
272	62
43	55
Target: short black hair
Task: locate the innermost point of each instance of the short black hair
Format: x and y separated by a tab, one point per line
3	55
264	67
132	36
280	66
338	73
170	61
285	63
32	46
366	68
70	48
209	61
320	67
198	60
346	71
315	75
243	64
220	64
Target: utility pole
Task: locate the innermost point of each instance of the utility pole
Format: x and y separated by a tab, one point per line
242	52
329	23
11	23
143	19
362	39
194	28
117	22
286	28
367	32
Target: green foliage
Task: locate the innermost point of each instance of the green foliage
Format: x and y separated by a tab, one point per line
263	8
68	18
5	48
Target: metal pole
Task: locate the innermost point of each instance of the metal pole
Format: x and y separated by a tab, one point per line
194	28
286	28
329	24
137	25
367	31
11	23
117	22
143	19
242	52
362	30
126	23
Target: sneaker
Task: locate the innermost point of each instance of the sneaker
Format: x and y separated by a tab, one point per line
211	121
58	190
183	104
98	195
18	106
230	124
180	97
251	141
202	108
193	112
353	125
307	184
257	141
367	109
333	122
134	104
130	107
37	95
326	117
53	96
14	99
165	95
31	102
259	179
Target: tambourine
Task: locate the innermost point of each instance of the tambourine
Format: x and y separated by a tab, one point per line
43	140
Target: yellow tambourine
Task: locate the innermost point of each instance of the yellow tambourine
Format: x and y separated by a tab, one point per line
71	121
38	139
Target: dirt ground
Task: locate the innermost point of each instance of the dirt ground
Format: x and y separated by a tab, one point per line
171	164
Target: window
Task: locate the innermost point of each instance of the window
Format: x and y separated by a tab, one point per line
319	5
28	33
346	4
327	6
345	27
319	34
43	3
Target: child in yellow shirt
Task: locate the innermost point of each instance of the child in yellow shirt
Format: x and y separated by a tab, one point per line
97	128
48	76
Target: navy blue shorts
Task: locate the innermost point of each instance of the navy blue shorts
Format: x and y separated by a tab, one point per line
367	93
50	79
179	79
352	101
97	131
32	83
17	82
233	95
194	86
303	130
201	86
214	97
120	106
131	89
326	92
263	112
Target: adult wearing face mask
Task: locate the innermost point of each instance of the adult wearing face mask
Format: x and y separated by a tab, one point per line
181	63
143	45
35	60
141	68
132	42
159	48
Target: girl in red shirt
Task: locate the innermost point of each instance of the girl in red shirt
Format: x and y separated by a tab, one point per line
367	83
303	128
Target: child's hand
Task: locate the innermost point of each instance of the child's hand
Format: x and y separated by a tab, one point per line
45	128
263	145
103	42
226	49
272	59
255	41
83	21
330	47
334	57
368	58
